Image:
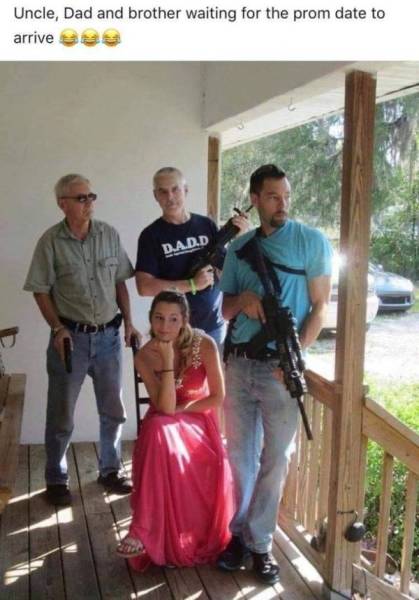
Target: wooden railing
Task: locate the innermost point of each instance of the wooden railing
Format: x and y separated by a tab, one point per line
304	510
398	442
306	493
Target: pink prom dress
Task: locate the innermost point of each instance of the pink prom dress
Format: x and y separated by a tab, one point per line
182	500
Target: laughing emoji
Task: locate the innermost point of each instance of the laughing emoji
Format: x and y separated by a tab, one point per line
69	37
111	37
90	37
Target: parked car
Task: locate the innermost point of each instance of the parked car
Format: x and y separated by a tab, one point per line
394	291
332	309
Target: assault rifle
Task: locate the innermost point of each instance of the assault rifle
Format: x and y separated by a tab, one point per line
67	355
210	252
279	328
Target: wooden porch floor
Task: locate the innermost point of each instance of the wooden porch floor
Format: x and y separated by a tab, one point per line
70	553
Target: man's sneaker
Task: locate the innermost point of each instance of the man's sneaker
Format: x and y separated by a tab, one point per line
233	556
115	483
265	567
58	494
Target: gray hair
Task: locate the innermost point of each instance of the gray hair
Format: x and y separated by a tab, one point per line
168	171
62	185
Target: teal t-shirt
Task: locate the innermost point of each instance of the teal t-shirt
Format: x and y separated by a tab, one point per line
293	245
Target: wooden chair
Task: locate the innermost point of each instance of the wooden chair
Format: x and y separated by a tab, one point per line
12	390
140	400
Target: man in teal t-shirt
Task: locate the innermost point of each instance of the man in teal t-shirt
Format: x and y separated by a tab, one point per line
261	416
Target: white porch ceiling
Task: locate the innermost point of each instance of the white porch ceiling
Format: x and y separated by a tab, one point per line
323	96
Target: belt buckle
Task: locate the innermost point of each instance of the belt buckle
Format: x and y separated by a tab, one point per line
95	329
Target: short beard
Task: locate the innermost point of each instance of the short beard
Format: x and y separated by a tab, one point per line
275	224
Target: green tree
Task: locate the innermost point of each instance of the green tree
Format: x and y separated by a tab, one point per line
395	224
311	157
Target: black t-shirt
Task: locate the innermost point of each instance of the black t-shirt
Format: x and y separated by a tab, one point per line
168	251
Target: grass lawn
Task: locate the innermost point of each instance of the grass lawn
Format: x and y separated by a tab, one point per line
400	399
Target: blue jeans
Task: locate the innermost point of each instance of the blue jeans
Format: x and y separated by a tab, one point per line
261	422
99	356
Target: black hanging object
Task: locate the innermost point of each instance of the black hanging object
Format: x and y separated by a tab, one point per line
355	530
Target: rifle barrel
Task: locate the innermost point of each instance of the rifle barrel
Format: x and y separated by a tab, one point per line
304	418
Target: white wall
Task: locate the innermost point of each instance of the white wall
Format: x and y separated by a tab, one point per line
117	123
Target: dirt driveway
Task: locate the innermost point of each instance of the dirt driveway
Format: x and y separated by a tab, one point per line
392	349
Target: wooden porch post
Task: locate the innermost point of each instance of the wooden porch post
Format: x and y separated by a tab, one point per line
213	178
346	478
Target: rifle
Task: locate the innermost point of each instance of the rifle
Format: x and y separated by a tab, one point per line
67	355
209	255
279	328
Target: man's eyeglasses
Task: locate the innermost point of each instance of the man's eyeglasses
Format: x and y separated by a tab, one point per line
82	198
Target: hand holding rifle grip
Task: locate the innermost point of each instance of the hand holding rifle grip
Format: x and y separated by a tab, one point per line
229	230
209	254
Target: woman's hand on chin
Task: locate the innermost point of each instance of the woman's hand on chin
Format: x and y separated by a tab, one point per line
167	353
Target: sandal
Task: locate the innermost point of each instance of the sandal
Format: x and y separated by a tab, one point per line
129	547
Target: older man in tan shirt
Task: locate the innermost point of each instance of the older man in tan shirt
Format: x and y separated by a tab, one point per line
78	275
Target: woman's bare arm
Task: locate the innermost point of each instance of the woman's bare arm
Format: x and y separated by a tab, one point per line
162	392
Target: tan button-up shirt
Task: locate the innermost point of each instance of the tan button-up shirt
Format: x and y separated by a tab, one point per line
80	275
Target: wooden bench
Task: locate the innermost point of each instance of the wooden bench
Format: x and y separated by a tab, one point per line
12	391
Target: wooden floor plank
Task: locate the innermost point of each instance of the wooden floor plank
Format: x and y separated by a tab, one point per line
14	537
251	587
297	573
152	584
218	584
113	574
86	567
185	583
46	577
75	544
290	586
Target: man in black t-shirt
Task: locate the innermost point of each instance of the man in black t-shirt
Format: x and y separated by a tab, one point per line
168	248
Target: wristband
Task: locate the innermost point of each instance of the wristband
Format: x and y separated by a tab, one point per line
55	330
193	286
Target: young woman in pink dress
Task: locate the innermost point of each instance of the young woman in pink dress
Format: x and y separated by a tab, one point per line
182	500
